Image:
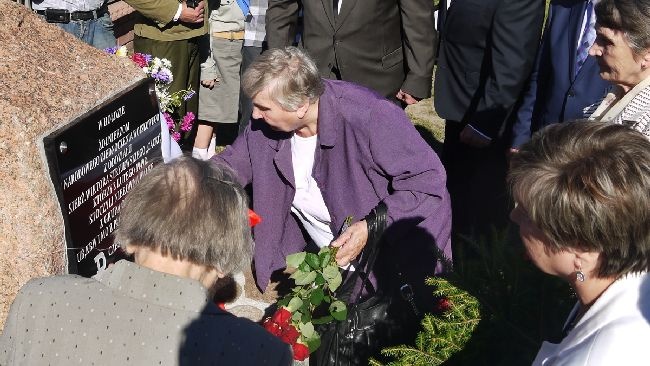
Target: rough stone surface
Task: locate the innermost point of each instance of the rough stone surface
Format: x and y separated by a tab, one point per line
47	78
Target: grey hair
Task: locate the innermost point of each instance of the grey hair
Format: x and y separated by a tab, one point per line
190	210
632	17
290	73
586	185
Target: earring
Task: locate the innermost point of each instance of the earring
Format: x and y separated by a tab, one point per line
580	276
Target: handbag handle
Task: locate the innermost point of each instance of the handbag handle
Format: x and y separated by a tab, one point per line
376	221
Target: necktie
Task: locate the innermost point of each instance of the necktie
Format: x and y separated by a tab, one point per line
588	37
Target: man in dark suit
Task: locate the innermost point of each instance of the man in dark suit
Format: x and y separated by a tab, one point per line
486	53
563	86
386	45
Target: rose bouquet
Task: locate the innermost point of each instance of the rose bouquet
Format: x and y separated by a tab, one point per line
311	301
160	70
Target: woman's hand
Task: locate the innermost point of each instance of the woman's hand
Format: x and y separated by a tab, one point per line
351	243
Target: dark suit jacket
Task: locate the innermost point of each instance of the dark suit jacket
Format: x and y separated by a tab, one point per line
382	44
555	92
487	50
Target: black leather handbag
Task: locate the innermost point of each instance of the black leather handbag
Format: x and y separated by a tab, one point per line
375	320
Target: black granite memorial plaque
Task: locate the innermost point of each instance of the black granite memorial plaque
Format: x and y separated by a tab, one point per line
94	161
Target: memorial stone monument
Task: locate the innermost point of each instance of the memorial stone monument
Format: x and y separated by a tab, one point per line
78	128
53	89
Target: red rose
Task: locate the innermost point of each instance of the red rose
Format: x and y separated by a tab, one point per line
272	327
300	352
253	218
443	305
282	316
289	334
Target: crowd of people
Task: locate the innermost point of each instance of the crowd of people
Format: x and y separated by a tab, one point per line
546	125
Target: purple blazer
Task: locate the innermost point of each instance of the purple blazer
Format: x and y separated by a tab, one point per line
368	151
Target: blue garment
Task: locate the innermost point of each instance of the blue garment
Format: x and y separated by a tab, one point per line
97	32
556	93
244	5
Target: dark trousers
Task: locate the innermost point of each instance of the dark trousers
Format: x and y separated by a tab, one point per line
249	54
184	57
476	180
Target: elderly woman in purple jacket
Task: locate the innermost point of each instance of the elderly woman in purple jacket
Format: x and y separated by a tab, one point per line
321	150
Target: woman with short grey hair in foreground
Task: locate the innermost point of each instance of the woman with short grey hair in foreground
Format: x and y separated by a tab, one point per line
186	225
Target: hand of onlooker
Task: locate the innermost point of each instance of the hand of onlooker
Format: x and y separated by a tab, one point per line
189	15
351	243
473	138
209	83
406	97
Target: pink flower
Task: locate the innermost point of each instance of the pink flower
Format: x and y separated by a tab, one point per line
169	120
140	59
188	121
176	136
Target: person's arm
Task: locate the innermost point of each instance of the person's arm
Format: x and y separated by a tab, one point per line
164	12
238	158
514	40
419	45
521	128
418	179
160	11
209	72
281	22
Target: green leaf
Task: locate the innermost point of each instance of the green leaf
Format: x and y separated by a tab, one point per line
307	330
313	343
306	318
333	277
296	316
338	310
324	255
294	304
294	260
304	267
283	302
303	278
313	260
320	280
316	297
330	271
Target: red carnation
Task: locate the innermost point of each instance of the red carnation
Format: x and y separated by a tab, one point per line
272	327
300	352
289	334
253	218
443	305
282	316
139	59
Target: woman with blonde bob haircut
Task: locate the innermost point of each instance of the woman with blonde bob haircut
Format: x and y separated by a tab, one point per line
583	208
